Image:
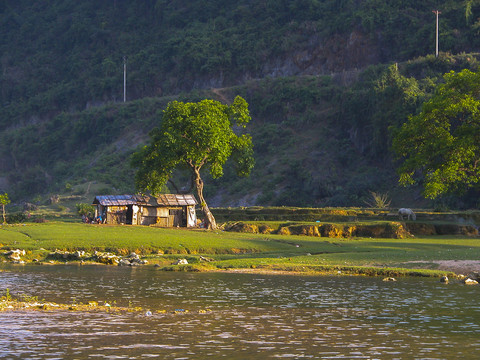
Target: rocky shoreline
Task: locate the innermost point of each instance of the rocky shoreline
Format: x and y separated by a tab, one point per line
17	257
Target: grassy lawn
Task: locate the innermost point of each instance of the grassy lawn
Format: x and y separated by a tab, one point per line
237	250
142	239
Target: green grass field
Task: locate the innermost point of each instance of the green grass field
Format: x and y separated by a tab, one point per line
229	250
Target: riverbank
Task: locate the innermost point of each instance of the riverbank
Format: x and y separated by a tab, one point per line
297	269
201	250
17	301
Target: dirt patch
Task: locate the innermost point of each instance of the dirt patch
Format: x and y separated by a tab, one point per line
464	267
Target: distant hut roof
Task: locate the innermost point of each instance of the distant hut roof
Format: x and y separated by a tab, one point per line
176	199
162	200
115	200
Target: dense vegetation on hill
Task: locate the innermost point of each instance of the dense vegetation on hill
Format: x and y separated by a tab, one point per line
321	112
65	54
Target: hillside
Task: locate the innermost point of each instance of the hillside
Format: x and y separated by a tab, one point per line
312	71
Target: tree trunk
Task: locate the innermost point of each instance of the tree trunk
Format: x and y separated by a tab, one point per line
209	220
3	213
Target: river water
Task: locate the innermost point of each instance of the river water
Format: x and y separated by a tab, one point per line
252	316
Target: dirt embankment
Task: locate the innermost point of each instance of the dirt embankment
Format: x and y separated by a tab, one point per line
394	230
441	229
386	230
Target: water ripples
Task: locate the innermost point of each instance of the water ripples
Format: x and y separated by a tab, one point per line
254	316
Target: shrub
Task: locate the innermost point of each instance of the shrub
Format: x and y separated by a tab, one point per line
378	200
16	218
85	209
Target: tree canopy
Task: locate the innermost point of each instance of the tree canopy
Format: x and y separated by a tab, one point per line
441	145
195	136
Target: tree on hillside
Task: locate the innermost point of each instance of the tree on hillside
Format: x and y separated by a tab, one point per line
4	200
441	145
195	136
395	96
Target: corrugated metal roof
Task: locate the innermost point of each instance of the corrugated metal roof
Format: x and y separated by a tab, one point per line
115	200
162	200
176	199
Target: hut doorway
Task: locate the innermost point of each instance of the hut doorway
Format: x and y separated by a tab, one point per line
129	215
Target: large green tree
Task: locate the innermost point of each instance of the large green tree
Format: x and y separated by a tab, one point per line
195	136
441	145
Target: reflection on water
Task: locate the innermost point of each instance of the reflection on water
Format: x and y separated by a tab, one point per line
253	316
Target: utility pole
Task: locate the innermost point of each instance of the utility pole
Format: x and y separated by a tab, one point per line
124	79
436	12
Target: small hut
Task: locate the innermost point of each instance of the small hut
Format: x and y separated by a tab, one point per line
167	210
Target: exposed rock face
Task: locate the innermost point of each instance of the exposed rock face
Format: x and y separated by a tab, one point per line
338	53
